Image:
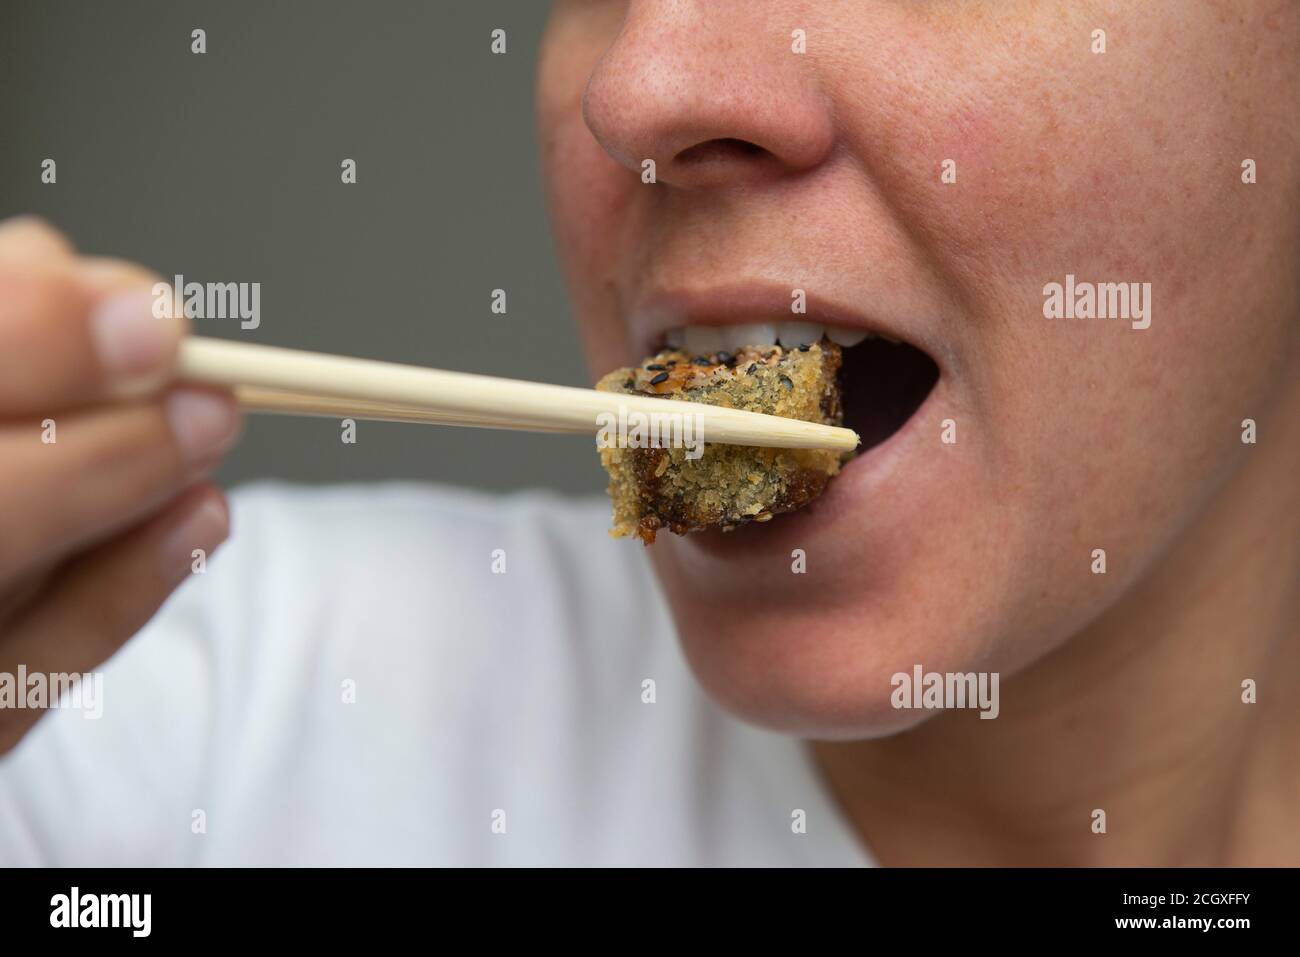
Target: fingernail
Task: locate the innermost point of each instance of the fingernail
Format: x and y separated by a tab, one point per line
186	549
134	346
205	424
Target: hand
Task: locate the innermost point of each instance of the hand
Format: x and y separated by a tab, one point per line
102	498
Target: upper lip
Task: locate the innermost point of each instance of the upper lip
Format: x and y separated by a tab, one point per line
751	302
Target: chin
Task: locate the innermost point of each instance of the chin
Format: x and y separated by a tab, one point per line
813	677
900	573
817	657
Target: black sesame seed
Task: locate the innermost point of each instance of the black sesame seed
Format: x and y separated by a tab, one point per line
703	361
726	358
787	383
804	347
655	367
663	377
671	363
752	367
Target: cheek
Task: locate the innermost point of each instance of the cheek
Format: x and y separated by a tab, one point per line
1101	166
588	194
1063	158
590	198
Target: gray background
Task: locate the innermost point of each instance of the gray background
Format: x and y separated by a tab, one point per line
225	167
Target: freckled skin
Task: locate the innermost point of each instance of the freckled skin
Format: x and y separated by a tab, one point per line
1123	166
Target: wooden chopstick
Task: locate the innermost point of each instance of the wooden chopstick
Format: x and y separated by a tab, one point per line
411	393
256	399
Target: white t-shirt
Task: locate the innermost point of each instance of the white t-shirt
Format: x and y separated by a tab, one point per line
360	677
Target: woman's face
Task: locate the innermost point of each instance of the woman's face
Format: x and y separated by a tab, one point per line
965	541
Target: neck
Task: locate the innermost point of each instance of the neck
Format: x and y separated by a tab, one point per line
1141	715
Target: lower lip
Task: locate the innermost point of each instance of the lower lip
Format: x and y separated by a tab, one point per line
873	471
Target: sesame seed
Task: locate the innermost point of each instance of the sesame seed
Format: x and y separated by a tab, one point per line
655	367
787	383
726	358
752	367
804	347
703	361
663	377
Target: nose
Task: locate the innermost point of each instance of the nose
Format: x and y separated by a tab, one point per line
712	100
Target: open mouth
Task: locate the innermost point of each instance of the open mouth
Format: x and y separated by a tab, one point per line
883	381
827	374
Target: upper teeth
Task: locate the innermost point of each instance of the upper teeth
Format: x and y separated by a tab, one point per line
791	334
706	340
845	337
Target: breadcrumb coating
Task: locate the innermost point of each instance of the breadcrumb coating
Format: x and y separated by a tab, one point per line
729	485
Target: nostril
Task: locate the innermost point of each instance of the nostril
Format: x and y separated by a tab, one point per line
719	150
